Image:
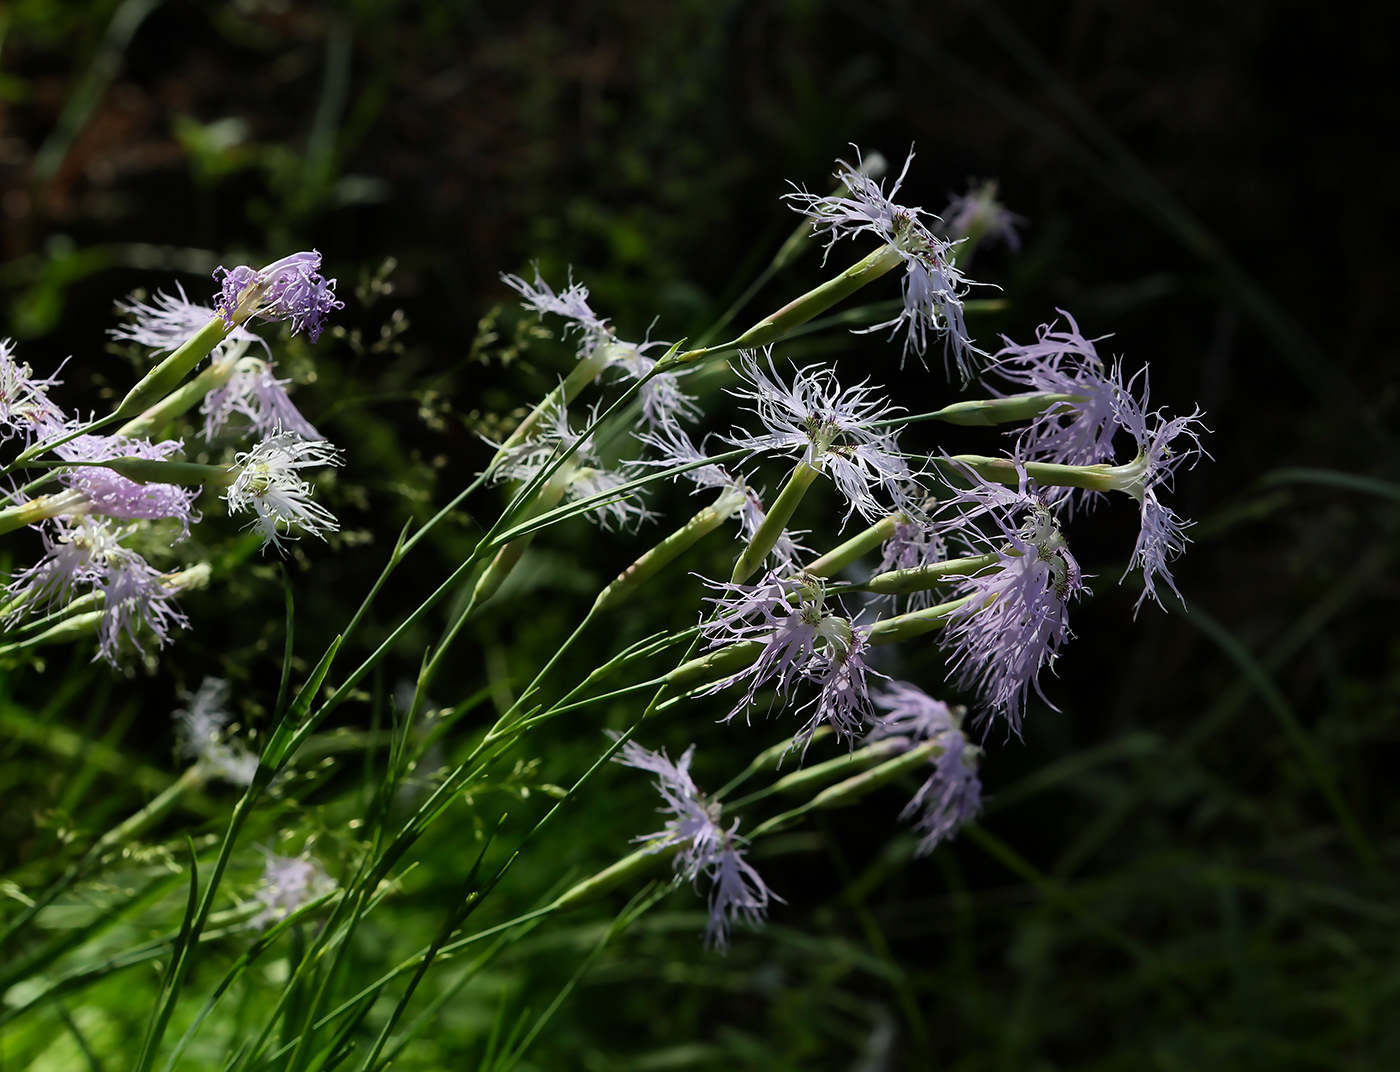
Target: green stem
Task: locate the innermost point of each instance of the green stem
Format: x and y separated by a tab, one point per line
166	376
777	520
838	558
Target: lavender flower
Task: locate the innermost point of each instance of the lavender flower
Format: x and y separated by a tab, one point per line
706	847
25	408
269	483
914	544
201	726
1082	432
136	599
827	426
1162	535
979	216
1017	616
291	289
583	476
674	448
1078	432
255	392
169	321
288	882
952	794
571	304
111	494
663	400
933	286
803	641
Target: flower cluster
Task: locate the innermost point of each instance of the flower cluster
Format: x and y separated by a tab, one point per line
704	846
110	482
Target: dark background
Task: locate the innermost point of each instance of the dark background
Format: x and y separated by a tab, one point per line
1190	864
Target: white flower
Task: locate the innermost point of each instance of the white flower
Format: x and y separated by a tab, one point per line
200	727
829	427
269	483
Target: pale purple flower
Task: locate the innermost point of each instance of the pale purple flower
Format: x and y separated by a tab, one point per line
583	476
1078	432
804	641
88	554
952	794
663	401
269	483
978	214
169	321
290	289
255	392
914	544
1017	615
111	494
705	846
570	303
828	427
1162	535
25	408
201	727
674	448
933	286
288	882
839	672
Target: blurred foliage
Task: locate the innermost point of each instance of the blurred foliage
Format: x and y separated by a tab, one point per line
1189	865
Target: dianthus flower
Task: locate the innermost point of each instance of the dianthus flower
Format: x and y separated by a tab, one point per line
169	321
663	401
914	544
803	641
583	475
674	448
1162	533
828	427
952	794
88	554
288	882
1077	432
200	726
109	493
25	408
978	215
254	391
290	289
269	483
933	286
1081	432
1017	615
705	846
570	303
